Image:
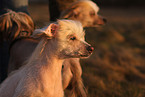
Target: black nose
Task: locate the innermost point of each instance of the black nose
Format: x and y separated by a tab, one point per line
90	49
105	20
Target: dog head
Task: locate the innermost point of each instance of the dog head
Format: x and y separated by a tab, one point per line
86	12
72	36
15	24
68	38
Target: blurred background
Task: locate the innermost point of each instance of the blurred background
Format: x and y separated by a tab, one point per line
117	66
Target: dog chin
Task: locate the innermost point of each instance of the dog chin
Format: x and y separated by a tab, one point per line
82	56
98	25
85	56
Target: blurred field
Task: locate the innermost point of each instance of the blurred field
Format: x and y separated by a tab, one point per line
117	66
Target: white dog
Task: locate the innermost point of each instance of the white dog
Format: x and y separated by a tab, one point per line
41	76
84	11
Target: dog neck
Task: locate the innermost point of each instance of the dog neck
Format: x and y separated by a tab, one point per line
47	68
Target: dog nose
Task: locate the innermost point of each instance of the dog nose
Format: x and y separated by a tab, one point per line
105	20
90	49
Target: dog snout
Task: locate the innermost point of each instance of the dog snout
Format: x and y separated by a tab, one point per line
99	21
105	20
90	49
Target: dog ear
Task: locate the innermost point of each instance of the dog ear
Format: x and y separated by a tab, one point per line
48	31
71	13
51	30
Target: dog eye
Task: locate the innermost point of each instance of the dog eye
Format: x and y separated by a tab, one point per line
92	13
73	38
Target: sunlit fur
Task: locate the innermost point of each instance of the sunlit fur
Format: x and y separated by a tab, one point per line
41	76
69	76
15	24
84	11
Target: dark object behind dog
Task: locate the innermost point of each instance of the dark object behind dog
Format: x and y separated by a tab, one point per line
12	25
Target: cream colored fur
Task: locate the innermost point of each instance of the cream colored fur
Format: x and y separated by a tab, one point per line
41	76
84	11
74	12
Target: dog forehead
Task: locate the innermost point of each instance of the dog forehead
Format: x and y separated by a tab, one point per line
68	27
90	4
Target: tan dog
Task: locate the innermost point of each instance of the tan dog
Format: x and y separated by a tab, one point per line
41	76
84	11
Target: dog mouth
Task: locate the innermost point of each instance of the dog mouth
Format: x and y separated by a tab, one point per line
89	50
98	25
84	55
79	55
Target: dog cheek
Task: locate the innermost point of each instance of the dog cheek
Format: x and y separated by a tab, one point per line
68	50
75	49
